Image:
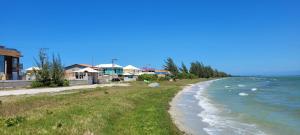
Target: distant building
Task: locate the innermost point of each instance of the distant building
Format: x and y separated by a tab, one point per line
132	70
149	71
10	66
110	69
131	73
162	73
70	73
29	73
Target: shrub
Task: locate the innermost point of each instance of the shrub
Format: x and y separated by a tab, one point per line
147	77
10	122
186	76
53	85
66	82
192	76
50	73
163	78
36	84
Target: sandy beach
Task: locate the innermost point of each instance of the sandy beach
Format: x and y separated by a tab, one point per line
185	108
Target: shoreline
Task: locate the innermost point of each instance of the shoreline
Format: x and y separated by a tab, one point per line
180	118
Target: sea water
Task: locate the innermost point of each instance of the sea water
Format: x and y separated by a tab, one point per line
250	106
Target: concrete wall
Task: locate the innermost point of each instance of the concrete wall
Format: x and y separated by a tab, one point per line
78	82
11	84
8	84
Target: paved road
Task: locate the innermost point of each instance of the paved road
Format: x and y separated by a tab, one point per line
52	90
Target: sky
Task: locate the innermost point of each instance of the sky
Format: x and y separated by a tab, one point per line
240	37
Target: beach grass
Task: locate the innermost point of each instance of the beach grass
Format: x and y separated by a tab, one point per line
133	110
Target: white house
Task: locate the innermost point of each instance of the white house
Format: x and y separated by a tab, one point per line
30	75
88	74
131	73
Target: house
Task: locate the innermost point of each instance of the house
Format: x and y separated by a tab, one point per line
110	69
70	73
10	66
149	71
162	73
131	73
89	74
29	73
132	70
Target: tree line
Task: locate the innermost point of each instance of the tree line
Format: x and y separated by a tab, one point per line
197	70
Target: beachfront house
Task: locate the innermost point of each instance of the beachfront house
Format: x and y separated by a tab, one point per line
10	66
89	74
30	73
70	73
132	70
131	73
162	73
149	71
110	69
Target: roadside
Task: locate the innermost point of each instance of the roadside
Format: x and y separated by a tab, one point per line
137	109
57	89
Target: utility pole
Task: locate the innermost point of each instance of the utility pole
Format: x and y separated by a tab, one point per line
113	65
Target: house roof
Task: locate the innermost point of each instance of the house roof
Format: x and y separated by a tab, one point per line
78	65
88	69
165	72
85	65
131	67
9	52
109	66
32	68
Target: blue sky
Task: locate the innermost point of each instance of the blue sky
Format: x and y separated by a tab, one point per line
242	37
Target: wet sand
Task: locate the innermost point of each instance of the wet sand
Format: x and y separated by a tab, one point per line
185	109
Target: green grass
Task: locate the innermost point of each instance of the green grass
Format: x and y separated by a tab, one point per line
134	110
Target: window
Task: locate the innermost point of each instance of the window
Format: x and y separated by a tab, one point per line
2	64
15	64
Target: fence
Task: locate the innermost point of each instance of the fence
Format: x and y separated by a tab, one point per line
10	84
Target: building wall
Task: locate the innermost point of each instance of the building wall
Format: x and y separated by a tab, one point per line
132	71
69	73
110	71
10	66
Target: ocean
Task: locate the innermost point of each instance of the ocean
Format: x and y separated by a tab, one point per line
241	106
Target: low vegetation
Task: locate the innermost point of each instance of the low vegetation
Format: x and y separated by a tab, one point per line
50	73
134	110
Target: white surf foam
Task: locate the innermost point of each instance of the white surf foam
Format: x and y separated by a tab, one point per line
219	124
243	94
227	86
254	89
241	85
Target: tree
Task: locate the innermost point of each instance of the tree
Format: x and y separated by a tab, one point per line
171	66
49	73
57	71
43	73
184	69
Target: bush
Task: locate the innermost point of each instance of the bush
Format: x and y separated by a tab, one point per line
36	84
147	77
66	82
192	76
10	122
186	76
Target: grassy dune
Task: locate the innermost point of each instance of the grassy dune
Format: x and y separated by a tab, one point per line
134	110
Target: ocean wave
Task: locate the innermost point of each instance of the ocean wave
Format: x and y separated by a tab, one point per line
219	124
254	89
227	86
243	94
241	85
